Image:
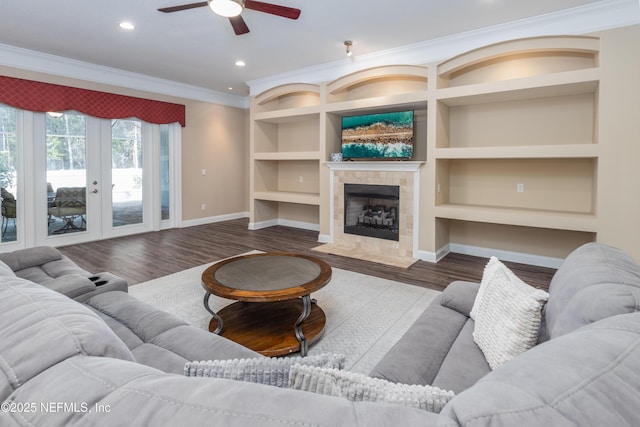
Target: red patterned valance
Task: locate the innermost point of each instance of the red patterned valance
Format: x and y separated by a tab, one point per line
37	96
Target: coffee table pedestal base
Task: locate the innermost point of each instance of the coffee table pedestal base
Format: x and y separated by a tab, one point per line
269	328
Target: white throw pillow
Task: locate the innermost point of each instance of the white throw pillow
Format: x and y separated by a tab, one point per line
264	370
507	314
361	388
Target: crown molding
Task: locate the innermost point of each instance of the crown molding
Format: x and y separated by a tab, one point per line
603	15
30	60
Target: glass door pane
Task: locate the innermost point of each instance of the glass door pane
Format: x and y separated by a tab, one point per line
126	172
8	178
165	195
66	172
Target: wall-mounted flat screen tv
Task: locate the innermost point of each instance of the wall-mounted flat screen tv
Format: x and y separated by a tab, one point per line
378	136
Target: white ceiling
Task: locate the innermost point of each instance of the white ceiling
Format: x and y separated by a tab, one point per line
198	48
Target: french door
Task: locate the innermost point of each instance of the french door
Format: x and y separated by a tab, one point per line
80	178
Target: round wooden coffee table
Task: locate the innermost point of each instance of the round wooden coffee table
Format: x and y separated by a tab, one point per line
288	320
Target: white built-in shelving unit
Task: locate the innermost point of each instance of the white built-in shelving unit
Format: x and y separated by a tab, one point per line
508	132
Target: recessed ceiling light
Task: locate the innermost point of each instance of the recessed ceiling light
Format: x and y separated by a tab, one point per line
127	26
230	88
240	63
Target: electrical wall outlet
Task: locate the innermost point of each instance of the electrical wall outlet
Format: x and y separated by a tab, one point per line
203	206
520	188
301	178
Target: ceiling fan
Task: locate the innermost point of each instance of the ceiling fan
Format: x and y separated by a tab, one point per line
233	8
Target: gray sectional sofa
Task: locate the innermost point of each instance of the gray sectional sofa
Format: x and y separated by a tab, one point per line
110	360
49	267
582	372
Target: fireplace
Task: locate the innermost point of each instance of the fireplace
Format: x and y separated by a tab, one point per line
403	178
372	210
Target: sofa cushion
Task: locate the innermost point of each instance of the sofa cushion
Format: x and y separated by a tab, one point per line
465	363
507	314
357	387
135	395
590	377
159	339
594	282
41	328
419	355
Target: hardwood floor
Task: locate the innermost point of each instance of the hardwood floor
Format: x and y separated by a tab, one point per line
143	257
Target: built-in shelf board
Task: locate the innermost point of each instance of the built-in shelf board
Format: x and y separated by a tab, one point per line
405	101
559	84
519	217
291	155
288	197
523	152
288	115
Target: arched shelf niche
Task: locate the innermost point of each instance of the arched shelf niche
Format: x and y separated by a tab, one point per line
288	96
390	80
520	58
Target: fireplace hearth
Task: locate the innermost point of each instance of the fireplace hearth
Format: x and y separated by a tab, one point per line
372	210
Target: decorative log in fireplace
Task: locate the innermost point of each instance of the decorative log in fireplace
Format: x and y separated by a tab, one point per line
372	210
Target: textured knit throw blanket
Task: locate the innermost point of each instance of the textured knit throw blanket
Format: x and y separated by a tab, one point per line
361	388
264	370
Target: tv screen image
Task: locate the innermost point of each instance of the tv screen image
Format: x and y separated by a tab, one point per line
382	135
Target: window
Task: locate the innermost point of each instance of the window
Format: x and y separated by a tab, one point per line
8	177
66	148
126	172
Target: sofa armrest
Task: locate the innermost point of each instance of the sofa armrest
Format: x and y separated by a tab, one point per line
71	285
460	296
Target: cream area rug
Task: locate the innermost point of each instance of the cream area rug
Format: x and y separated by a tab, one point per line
365	315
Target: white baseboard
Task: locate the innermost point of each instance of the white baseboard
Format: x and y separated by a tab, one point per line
299	224
433	256
212	219
324	238
519	257
262	224
284	222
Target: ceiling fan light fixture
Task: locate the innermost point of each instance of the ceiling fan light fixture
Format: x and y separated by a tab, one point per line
226	8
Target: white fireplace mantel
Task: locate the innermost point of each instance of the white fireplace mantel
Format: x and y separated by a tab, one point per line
380	165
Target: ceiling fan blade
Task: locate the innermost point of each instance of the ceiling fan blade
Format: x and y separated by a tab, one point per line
274	9
182	7
239	26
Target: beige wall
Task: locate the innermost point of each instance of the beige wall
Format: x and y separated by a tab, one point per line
619	137
215	139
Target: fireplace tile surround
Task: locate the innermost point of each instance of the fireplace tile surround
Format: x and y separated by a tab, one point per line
405	175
